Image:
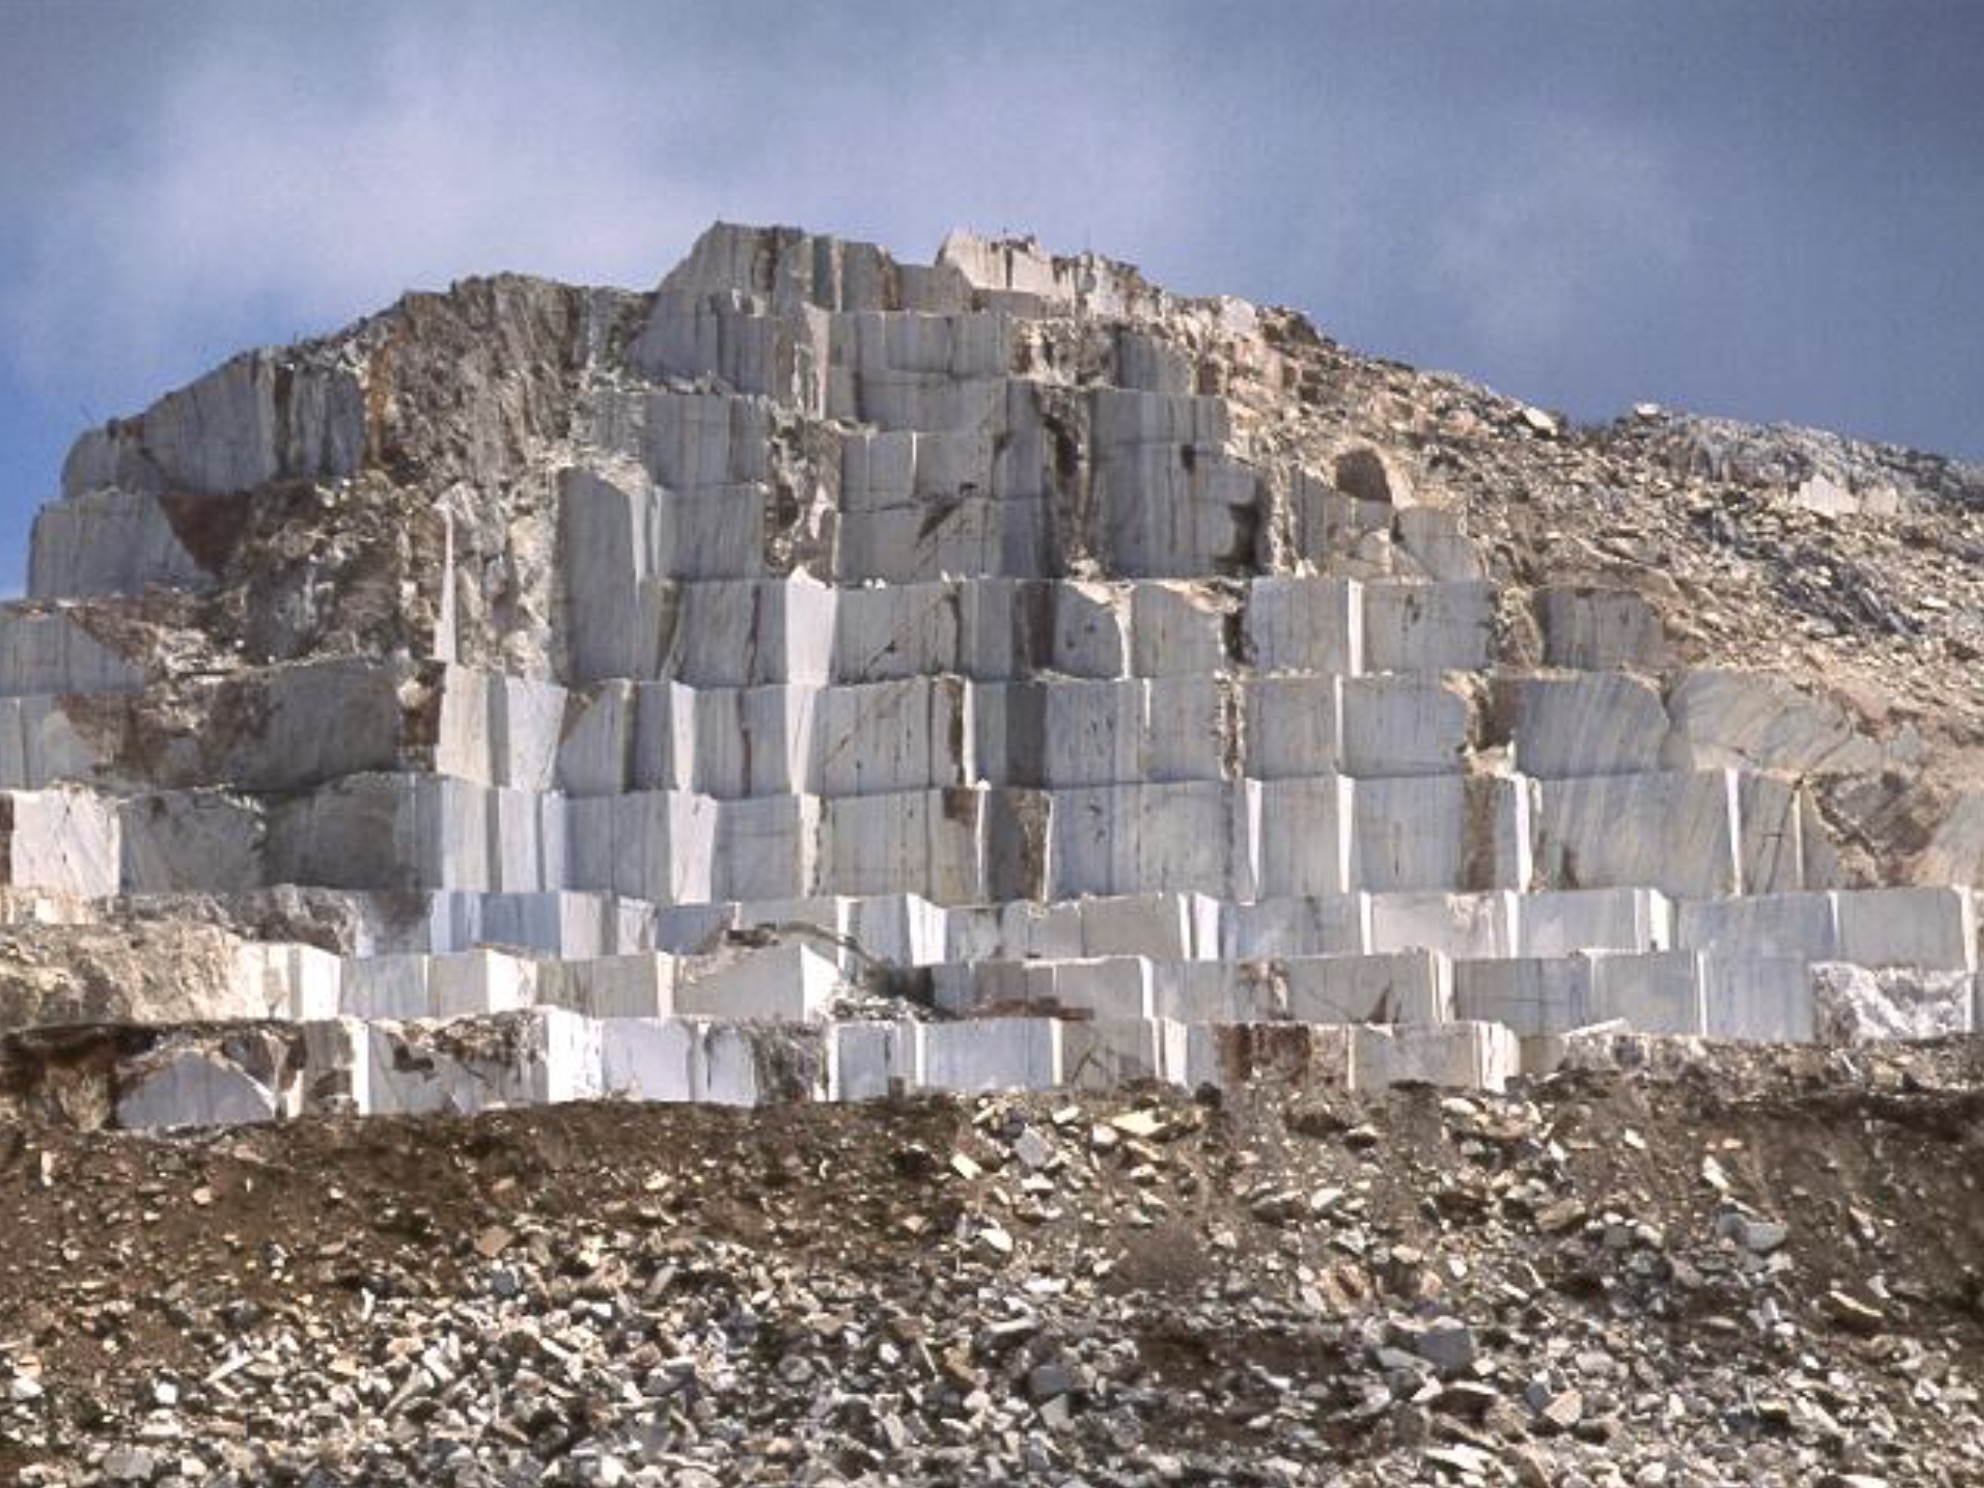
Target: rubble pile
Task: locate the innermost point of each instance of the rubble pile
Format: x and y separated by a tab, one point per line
1723	1267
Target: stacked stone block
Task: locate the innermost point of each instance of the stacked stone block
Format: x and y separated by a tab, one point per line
1085	742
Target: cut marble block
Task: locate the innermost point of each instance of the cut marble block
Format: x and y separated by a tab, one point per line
1305	625
1151	364
1402	987
1305	837
262	416
1660	992
113	542
1593	723
752	633
872	1061
768	847
1087	626
1192	729
755	741
1471	926
899	930
932	843
1099	987
780	983
1338	532
615	616
1316	925
1229	1056
1220	991
1174	511
906	630
384	832
989	987
651	1059
1107	1053
983	1054
539	1057
40	746
1115	987
1406	725
1462	1056
530	725
1090	733
1558	922
957	347
986	629
686	442
1163	927
1126	839
595	751
391	986
641	985
1770	926
1294	726
64	841
1758	998
1429	627
526	836
1446	832
1674	831
727	335
1433	538
1531	995
47	650
178	1087
1181	630
470	984
1592	629
564	923
825	923
1772	818
1934	928
287	980
695	929
1062	733
946	537
1050	932
753	1064
914	734
662	736
653	845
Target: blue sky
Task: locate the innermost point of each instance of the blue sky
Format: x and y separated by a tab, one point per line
1771	212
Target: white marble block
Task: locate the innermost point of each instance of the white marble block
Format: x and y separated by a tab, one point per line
993	1054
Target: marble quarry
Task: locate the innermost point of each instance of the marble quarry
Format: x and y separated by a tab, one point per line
872	677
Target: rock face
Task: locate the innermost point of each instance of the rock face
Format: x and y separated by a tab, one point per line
828	676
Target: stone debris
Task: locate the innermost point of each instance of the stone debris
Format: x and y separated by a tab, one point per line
1111	1288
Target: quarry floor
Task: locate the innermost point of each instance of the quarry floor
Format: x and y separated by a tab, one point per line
1232	1292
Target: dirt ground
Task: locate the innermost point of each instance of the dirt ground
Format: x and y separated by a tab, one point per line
129	1258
